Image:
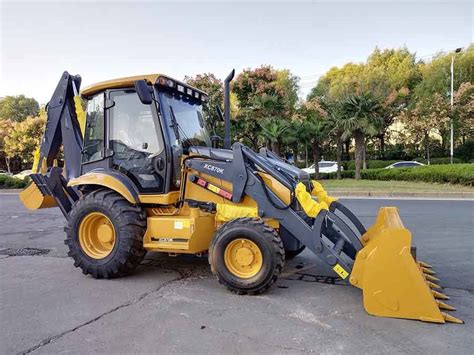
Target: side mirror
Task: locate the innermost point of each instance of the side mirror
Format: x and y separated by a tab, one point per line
215	140
143	92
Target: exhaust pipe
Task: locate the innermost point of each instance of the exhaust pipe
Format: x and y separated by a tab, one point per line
227	142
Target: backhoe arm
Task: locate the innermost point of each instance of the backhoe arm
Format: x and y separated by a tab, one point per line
63	127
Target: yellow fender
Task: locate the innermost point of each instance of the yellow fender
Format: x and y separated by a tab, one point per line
106	180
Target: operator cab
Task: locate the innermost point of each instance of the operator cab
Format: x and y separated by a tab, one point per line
143	137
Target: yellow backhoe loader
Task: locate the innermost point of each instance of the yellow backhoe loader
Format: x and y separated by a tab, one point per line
142	174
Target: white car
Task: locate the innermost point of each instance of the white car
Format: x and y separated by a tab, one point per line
325	167
404	164
23	174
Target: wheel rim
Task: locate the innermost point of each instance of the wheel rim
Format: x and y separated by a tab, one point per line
96	235
243	258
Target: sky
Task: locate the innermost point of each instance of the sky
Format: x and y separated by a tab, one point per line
101	40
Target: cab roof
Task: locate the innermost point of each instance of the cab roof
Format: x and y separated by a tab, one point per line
129	81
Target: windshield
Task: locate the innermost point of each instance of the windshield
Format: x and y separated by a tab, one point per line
185	119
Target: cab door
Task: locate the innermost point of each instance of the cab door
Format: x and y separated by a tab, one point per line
136	141
94	149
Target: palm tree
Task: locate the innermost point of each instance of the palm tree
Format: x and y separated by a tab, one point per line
361	118
317	129
268	110
273	130
335	119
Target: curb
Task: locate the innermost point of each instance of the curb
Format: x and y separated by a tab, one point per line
10	191
455	195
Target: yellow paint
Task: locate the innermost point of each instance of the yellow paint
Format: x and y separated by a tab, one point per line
33	199
118	83
129	82
96	235
392	283
94	178
81	115
243	258
321	194
163	199
340	271
189	232
213	188
226	212
278	188
310	206
36	157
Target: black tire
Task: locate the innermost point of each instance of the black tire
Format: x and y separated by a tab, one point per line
267	240
290	254
129	222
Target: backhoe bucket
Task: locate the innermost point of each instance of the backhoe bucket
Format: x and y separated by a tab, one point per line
393	283
34	199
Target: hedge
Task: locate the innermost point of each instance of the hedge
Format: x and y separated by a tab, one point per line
462	174
439	161
10	182
379	164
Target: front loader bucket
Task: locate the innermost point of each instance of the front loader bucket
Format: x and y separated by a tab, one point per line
393	283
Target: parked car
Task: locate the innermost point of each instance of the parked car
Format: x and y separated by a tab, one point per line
325	167
23	174
4	172
404	164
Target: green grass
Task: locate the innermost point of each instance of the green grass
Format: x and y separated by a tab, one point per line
391	186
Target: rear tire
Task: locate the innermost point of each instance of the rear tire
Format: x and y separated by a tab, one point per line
125	226
246	255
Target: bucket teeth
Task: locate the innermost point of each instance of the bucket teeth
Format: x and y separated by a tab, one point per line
445	306
451	319
430	278
423	264
427	271
433	285
439	295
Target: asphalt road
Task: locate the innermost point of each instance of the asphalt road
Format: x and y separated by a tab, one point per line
174	305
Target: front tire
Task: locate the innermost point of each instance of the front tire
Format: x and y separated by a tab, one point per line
246	255
105	234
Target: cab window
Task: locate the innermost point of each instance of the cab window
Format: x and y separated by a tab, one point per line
134	139
94	134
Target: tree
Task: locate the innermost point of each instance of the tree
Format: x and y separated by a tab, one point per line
213	86
390	75
426	120
5	131
263	94
464	111
336	129
436	82
273	130
17	108
24	137
361	118
315	127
